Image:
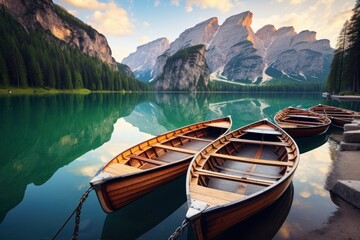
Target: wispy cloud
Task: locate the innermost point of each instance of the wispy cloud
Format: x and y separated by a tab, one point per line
323	16
296	2
175	2
85	4
143	40
224	6
112	20
106	17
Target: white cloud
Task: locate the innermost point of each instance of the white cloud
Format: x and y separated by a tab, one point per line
111	20
105	17
224	6
85	4
143	40
326	17
156	3
146	24
175	2
296	2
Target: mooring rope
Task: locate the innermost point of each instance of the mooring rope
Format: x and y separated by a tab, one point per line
77	210
179	231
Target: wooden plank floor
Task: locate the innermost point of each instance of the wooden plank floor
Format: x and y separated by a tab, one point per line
251	151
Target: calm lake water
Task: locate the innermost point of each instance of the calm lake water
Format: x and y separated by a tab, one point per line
51	146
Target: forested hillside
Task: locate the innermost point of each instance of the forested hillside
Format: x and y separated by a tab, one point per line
344	74
34	58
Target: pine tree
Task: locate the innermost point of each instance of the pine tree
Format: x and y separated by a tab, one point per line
354	49
4	77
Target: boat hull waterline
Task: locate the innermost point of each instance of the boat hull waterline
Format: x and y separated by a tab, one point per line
152	163
300	123
338	116
238	175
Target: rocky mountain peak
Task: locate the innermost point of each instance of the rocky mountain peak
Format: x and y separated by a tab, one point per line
201	33
53	18
306	35
235	53
234	37
186	70
144	59
266	32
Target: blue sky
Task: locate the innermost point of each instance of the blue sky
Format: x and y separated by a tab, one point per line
130	23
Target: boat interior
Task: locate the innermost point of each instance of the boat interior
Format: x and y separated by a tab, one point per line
242	166
165	149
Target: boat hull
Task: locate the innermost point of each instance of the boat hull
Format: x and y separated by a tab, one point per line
338	116
239	175
302	123
305	132
120	191
152	163
212	223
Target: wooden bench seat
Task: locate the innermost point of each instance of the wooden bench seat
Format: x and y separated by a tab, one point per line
195	138
232	177
253	160
213	196
176	149
259	142
147	160
120	169
263	131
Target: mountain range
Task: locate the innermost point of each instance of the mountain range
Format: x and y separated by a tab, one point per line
237	54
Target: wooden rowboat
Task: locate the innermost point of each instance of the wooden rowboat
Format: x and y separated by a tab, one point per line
147	165
239	175
338	116
300	123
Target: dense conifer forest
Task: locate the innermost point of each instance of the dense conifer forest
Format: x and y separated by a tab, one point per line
344	77
34	58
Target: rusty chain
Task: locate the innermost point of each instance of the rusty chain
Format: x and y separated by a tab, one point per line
179	231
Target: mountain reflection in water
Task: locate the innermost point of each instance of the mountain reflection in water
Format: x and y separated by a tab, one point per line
52	145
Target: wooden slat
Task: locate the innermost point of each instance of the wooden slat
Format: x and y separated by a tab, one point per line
302	116
234	177
218	124
197	139
214	195
176	149
259	142
302	122
249	173
263	131
148	160
120	169
253	160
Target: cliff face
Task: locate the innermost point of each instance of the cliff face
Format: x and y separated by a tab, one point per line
144	59
235	53
201	33
186	70
297	56
50	17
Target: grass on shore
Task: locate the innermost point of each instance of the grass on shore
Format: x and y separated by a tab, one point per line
42	91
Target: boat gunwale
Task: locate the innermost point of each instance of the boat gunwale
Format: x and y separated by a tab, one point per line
324	121
137	146
257	194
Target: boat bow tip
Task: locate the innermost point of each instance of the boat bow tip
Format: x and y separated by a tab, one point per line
195	209
100	178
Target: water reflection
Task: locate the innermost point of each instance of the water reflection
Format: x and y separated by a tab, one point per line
41	134
265	224
52	146
135	219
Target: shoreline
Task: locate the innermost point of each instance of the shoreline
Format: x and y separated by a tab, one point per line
344	223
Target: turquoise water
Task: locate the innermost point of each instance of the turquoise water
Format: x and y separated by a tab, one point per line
52	145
